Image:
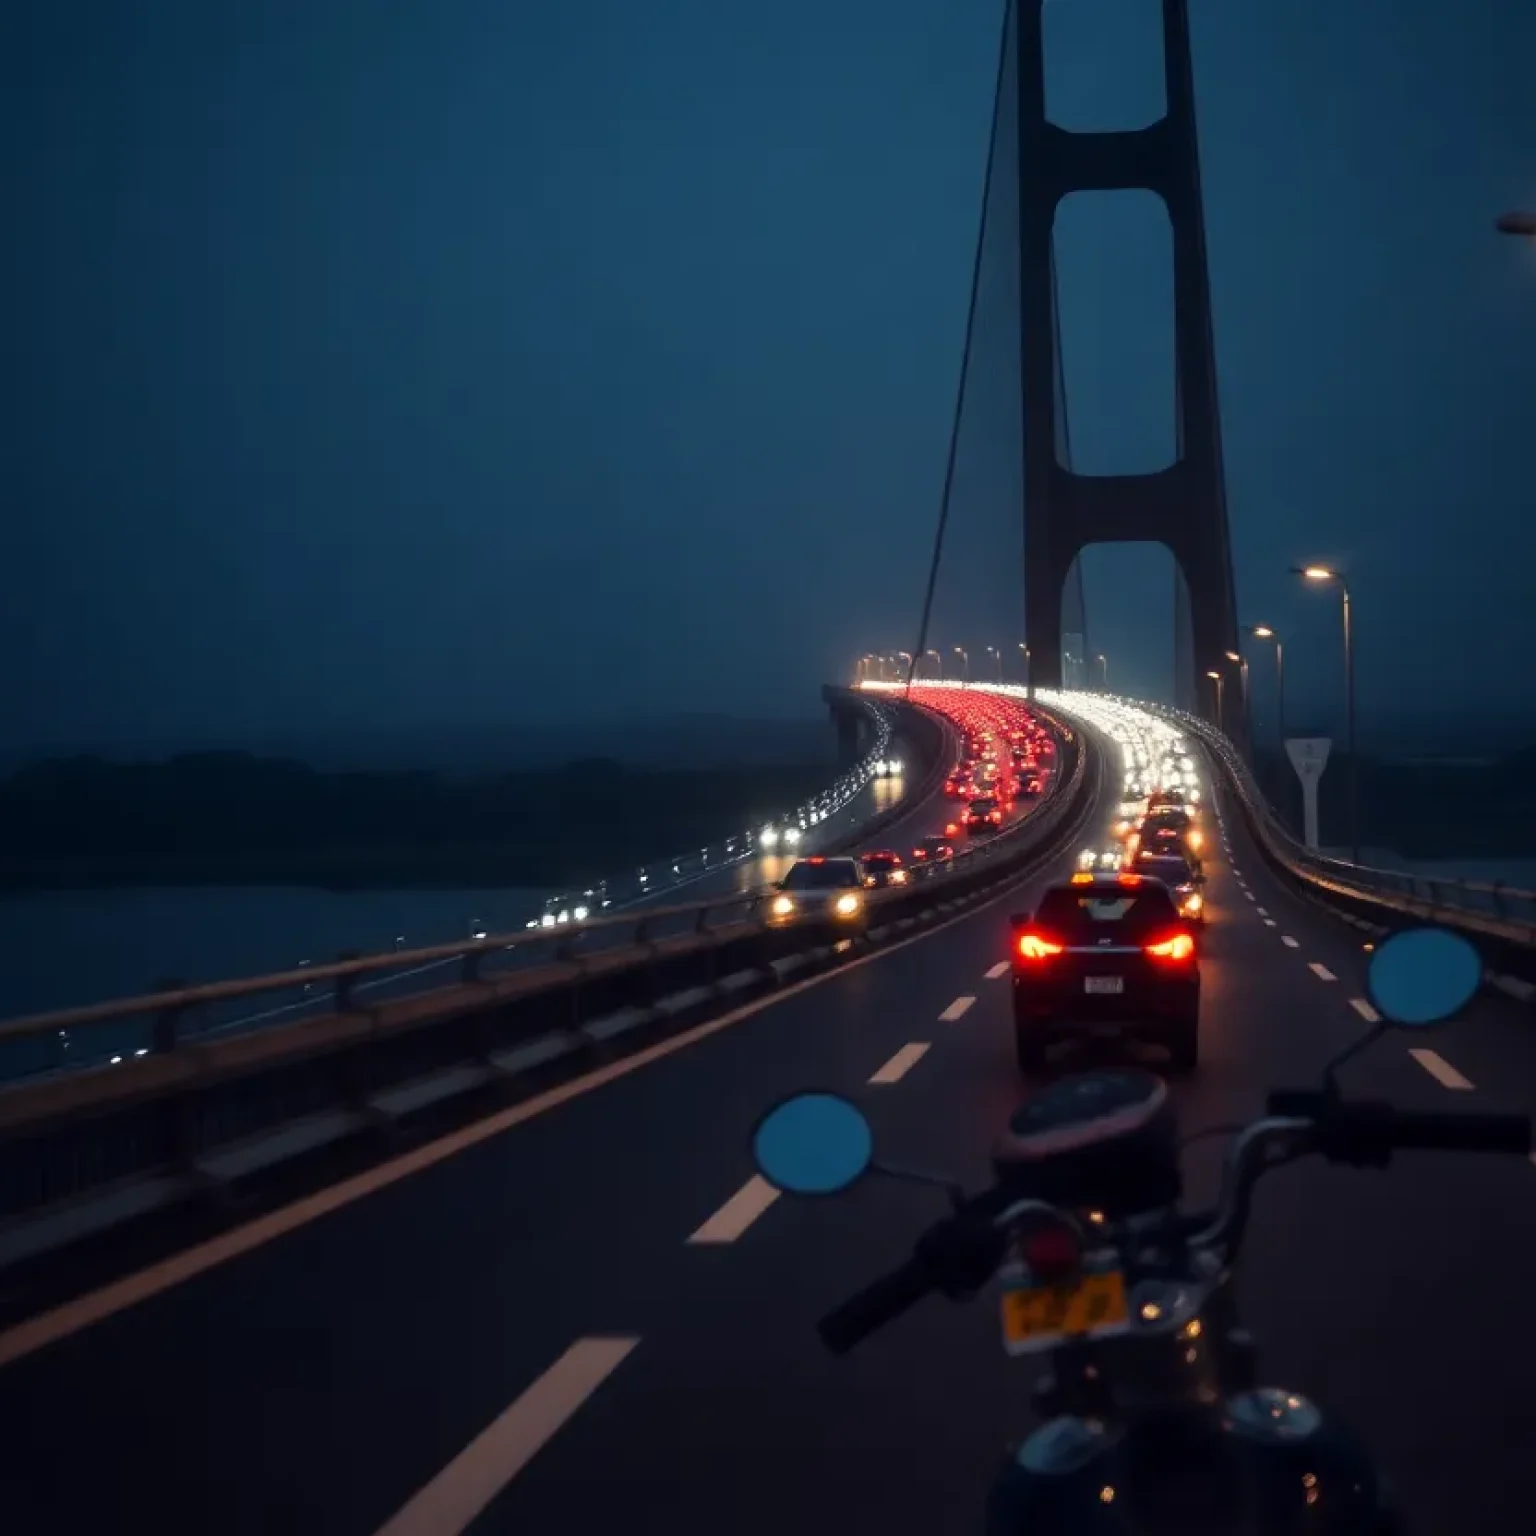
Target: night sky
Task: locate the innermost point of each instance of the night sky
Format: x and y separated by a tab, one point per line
370	362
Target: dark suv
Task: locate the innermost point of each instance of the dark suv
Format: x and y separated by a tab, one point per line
1106	953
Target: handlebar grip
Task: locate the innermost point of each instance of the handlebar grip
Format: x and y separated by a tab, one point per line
1456	1131
875	1306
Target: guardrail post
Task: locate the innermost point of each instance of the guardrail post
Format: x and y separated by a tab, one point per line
345	984
168	1020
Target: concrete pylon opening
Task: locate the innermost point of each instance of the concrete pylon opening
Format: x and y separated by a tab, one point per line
1183	505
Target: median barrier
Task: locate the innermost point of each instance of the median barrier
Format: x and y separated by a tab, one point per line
186	1111
1500	919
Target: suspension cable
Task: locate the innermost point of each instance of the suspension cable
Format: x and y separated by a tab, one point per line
965	357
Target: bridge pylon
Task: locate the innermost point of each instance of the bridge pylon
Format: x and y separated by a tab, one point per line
1183	506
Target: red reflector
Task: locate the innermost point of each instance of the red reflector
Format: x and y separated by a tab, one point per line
1179	947
1033	947
816	858
1051	1252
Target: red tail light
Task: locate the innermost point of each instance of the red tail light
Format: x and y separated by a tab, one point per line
1033	946
1179	947
951	829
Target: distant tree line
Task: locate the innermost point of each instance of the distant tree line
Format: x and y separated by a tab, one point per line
231	817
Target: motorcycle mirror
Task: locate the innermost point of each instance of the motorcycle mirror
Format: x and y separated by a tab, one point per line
813	1144
1423	976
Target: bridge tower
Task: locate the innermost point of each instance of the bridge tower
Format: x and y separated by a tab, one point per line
1183	506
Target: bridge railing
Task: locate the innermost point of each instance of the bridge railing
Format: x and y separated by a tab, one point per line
186	1108
307	989
1502	913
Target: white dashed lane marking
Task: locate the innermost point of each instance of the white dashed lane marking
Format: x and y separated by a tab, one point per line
457	1496
1261	911
956	1009
1289	942
1269	922
901	1063
1440	1069
1365	1010
998	971
1321	971
738	1213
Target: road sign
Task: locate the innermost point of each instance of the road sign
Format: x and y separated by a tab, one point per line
1309	756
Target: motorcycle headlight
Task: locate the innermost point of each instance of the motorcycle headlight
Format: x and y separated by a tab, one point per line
846	906
782	906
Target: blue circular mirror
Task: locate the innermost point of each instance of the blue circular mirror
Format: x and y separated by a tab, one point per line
813	1144
1423	976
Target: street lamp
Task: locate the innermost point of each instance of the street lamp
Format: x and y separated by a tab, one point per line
1029	669
938	658
1516	224
993	651
965	663
1264	632
1216	678
1103	661
1323	574
1241	663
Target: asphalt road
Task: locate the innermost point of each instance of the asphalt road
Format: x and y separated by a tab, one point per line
428	1334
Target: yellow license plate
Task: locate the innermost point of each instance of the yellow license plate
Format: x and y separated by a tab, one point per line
1036	1314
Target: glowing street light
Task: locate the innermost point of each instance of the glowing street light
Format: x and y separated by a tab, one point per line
1323	574
1216	678
1264	632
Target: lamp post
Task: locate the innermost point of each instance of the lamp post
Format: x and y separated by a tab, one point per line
997	655
1264	632
1216	678
938	658
1246	717
1029	670
1103	661
1322	575
911	662
965	663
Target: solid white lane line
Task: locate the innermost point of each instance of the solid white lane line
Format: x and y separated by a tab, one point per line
738	1213
1365	1010
998	971
957	1008
1439	1068
467	1485
1289	942
1261	911
1321	971
901	1063
1249	894
1269	922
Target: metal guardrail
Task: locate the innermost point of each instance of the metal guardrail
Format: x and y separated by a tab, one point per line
300	993
85	1150
1495	911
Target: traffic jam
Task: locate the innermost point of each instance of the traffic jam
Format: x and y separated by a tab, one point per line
1005	762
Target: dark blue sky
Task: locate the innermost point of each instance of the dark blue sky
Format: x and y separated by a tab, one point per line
370	361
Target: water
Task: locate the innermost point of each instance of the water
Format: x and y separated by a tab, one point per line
68	948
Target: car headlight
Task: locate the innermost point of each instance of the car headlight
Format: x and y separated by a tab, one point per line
846	906
782	906
1195	839
898	877
791	835
1194	901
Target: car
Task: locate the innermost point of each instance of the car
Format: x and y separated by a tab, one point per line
819	887
882	868
888	768
983	816
1169	831
1105	952
934	850
1181	877
1032	784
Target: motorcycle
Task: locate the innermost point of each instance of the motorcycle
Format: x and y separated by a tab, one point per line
1154	1419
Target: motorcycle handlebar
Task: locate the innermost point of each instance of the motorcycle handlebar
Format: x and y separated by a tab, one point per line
875	1306
959	1251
